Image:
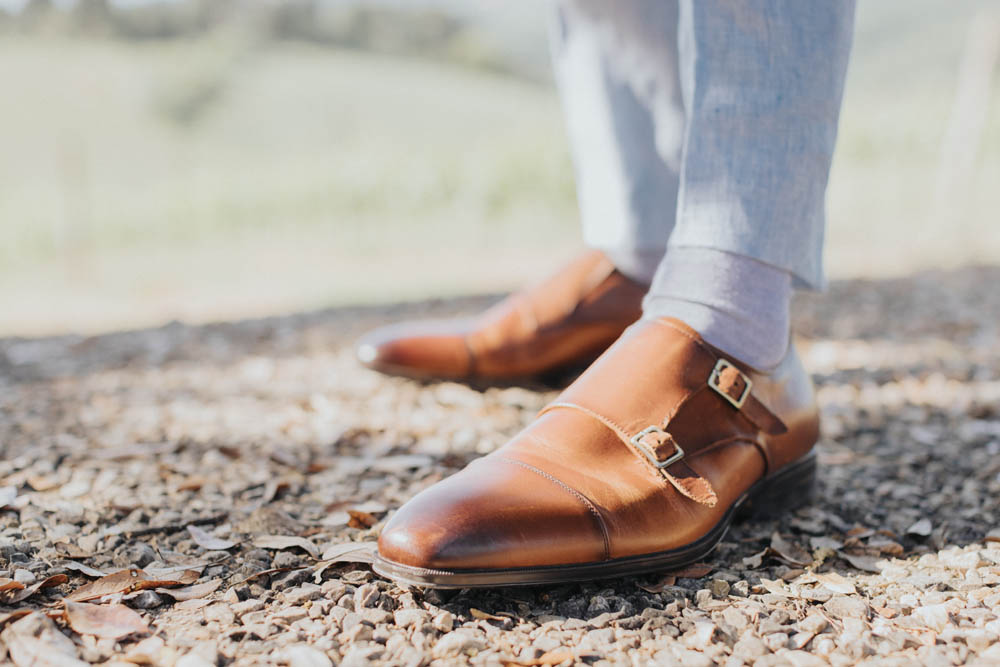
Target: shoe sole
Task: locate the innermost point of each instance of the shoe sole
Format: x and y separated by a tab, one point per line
791	487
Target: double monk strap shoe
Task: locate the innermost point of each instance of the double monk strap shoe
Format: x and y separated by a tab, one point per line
640	465
566	321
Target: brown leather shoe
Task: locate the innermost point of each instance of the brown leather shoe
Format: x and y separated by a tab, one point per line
639	465
568	320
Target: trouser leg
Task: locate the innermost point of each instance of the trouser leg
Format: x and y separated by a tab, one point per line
616	66
762	82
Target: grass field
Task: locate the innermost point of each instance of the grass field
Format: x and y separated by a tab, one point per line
220	178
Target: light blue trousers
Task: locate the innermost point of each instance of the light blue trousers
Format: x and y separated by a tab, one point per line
703	123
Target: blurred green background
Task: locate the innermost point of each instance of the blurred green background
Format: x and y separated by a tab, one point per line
219	159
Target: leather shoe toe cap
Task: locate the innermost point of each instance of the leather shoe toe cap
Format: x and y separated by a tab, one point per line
494	514
426	349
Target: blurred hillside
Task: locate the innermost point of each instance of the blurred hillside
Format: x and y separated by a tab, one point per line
210	159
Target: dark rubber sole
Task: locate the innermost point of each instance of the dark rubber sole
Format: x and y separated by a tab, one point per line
551	378
791	487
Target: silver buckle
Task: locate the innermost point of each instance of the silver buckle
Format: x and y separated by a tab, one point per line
713	382
670	460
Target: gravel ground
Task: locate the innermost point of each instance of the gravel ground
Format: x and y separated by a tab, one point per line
210	495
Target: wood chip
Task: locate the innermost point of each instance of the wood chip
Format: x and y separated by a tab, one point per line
835	583
776	587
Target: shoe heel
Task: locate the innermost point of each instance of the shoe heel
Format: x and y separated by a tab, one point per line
787	490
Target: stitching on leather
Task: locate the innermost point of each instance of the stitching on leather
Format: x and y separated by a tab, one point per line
698	342
582	498
610	423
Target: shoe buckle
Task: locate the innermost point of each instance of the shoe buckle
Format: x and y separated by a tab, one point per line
715	382
650	454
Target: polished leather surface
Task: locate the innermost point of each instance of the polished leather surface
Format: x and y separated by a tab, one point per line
567	320
577	486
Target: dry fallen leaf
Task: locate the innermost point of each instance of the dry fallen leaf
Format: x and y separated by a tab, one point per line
267	573
485	616
350	552
660	586
183	579
35	641
789	553
13	616
191	592
208	541
280	542
125	581
822	542
49	582
116	582
179	575
82	569
361	519
10	585
886	546
755	561
693	571
922	528
861	562
112	621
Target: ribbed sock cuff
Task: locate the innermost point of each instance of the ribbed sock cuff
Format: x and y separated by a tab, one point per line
738	304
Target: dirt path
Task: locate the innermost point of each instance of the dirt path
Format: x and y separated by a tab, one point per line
231	462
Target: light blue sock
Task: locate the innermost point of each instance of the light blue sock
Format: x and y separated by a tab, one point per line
738	304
